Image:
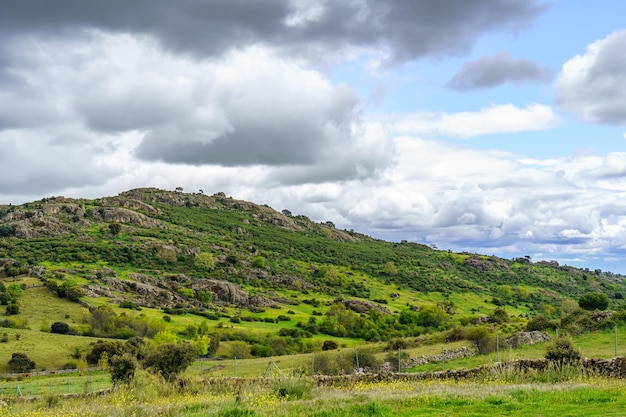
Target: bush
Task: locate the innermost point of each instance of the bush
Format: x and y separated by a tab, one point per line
169	360
562	352
325	364
330	345
60	327
21	362
12	309
484	340
499	316
538	323
122	368
593	301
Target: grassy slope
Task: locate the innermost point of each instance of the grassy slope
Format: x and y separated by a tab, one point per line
236	229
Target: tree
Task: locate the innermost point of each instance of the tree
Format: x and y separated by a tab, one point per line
123	368
60	327
169	360
204	260
12	309
390	269
21	362
431	316
593	301
115	228
239	349
484	340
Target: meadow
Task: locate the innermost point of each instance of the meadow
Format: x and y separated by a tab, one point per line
580	396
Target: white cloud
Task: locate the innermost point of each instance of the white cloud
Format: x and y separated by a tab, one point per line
594	84
247	108
496	119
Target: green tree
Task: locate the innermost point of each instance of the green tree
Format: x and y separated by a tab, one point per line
431	316
12	309
60	327
169	360
20	362
204	260
239	350
115	228
390	269
593	301
122	368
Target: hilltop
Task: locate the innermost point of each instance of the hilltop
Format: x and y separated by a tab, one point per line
159	261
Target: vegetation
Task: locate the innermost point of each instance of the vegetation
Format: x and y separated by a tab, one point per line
230	278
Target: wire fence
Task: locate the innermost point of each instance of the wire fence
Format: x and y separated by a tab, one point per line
94	380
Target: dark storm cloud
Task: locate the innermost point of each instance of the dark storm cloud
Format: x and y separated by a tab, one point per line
407	29
490	71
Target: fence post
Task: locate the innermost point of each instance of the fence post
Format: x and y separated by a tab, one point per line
616	341
68	387
557	333
399	366
313	364
443	358
356	352
235	365
497	348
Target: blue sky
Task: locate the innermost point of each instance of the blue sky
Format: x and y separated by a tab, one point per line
491	126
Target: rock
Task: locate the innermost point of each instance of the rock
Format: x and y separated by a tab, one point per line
527	338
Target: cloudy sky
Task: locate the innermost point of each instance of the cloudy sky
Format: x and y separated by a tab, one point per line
491	126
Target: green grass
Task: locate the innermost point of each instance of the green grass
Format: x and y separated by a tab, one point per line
48	350
585	398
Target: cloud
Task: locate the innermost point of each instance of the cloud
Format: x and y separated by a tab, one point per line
246	108
407	30
489	72
503	118
594	84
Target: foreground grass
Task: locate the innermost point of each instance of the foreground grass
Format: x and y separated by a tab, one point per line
149	397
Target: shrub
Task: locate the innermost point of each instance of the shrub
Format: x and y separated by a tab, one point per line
325	364
397	343
538	323
330	345
60	327
593	301
499	316
169	360
21	362
455	334
12	309
562	352
122	368
239	350
484	340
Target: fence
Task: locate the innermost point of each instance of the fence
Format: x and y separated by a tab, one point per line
63	382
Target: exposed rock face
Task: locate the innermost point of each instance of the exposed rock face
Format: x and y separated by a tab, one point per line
602	316
122	215
527	338
223	291
360	306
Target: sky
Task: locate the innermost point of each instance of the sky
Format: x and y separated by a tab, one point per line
487	126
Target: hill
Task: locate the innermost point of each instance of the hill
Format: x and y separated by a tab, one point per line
153	262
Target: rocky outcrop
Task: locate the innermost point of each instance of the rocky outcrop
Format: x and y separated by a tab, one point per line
223	291
527	338
361	306
122	215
